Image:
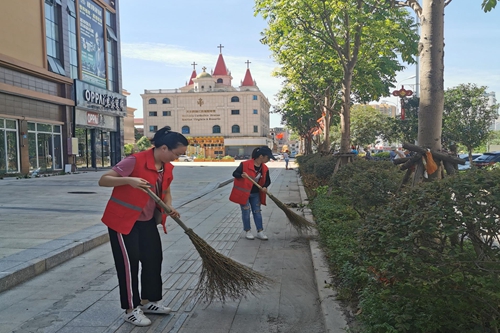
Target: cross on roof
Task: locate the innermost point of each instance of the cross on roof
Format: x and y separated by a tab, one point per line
220	47
248	63
194	65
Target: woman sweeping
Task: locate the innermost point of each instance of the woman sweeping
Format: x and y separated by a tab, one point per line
247	195
132	227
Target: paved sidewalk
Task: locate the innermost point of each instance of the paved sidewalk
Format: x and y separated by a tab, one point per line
81	294
46	221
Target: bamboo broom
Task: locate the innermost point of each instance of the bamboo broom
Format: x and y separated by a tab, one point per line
221	277
300	223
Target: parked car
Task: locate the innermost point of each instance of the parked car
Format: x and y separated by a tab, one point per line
185	158
278	157
487	159
467	163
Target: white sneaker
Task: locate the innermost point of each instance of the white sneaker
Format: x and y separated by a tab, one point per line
137	318
261	235
155	307
249	235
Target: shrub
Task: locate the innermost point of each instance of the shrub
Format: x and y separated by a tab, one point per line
434	257
337	225
385	155
324	166
368	185
306	163
128	149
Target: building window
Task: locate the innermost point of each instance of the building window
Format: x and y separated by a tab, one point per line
153	128
216	129
152	101
255	111
112	54
255	97
235	99
235	129
235	111
185	130
153	113
73	45
53	36
166	101
255	129
219	80
167	113
45	146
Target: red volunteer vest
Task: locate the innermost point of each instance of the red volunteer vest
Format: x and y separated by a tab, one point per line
242	187
126	203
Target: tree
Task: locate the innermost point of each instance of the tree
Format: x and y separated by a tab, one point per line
431	53
143	143
300	112
355	44
366	124
397	129
137	135
467	116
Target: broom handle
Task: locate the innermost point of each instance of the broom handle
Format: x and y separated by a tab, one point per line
165	208
258	186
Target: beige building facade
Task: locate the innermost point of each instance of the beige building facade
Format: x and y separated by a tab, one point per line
60	85
236	118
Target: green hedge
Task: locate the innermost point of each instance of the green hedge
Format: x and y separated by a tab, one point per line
425	259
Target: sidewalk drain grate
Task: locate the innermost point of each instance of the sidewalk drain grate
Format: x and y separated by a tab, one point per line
82	192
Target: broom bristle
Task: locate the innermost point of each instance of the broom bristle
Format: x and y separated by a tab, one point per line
300	223
222	278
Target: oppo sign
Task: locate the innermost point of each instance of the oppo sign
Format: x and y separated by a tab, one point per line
106	101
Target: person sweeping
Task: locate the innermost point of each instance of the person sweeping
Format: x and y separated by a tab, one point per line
132	226
249	196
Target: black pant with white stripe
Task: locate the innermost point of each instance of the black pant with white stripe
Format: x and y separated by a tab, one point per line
142	245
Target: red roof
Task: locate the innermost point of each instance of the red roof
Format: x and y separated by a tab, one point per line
193	75
220	67
248	80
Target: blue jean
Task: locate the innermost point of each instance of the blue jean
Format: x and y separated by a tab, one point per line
286	162
253	203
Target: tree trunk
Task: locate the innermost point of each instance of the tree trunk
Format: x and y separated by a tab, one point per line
431	52
327	121
345	117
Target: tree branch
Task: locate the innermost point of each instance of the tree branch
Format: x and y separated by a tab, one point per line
413	4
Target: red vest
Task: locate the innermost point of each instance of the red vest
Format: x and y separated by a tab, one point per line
242	186
126	203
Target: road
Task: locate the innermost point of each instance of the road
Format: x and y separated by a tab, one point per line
80	295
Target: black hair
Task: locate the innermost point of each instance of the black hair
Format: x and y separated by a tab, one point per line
164	136
257	152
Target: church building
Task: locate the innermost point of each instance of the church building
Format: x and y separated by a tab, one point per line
217	118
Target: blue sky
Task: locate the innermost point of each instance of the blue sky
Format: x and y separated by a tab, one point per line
160	39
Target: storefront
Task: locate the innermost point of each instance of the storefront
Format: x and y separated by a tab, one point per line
98	126
45	146
9	146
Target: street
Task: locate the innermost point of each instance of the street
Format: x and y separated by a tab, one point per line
81	295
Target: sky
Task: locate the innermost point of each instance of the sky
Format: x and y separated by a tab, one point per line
161	39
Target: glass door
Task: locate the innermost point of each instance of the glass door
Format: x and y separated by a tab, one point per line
83	155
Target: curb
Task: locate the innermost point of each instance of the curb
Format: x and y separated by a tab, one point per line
333	316
25	265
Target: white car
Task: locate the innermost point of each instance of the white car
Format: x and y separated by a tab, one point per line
278	157
185	158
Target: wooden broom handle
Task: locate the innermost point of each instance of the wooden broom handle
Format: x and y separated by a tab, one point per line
165	208
255	183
